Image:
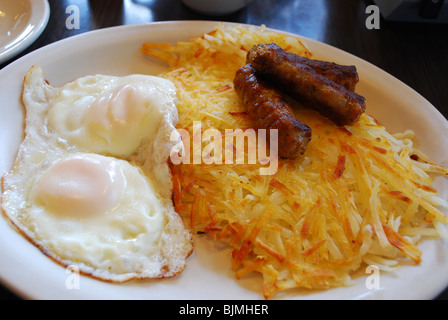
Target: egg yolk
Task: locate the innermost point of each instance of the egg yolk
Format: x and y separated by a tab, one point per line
112	115
81	185
121	118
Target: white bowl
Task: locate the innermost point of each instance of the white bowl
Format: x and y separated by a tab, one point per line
216	7
21	23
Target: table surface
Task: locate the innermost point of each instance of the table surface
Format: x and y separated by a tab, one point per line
415	53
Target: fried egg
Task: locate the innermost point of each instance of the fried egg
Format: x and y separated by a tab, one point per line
91	185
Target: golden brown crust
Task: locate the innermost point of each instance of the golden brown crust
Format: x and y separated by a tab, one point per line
271	111
303	83
346	76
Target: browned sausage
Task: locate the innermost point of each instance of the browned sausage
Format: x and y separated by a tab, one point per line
303	83
346	76
270	111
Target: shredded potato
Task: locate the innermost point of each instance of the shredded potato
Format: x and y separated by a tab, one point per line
358	196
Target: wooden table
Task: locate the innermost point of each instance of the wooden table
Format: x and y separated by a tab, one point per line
417	54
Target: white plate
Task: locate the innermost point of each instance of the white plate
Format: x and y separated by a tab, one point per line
208	274
21	23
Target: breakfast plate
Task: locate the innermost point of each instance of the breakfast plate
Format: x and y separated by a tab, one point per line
21	23
208	274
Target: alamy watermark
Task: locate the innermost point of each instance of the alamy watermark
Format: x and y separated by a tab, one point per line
74	18
373	281
233	146
73	280
374	18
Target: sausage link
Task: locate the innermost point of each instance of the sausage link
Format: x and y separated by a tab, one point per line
302	82
271	111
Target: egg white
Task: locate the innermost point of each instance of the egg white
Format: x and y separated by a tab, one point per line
133	232
112	115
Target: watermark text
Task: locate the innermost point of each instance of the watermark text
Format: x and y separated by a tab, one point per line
233	146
